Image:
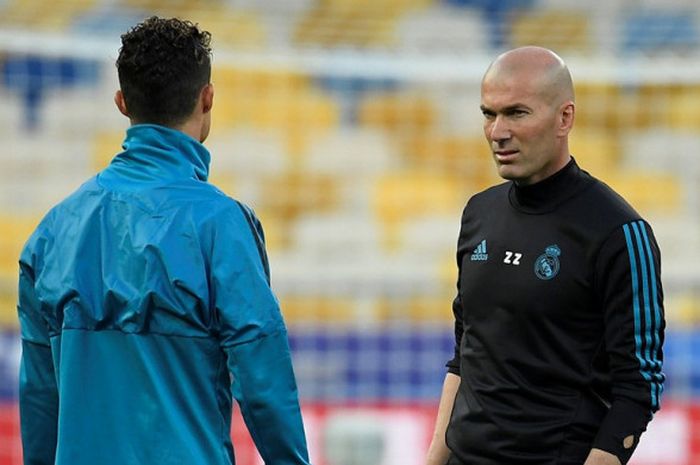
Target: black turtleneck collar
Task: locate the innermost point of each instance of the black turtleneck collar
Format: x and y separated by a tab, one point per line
545	196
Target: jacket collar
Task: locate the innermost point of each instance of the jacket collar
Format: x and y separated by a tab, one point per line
154	153
545	196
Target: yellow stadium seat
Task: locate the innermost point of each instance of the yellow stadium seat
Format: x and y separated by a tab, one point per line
468	158
403	195
279	100
595	106
230	28
614	108
449	273
311	309
683	310
276	229
358	23
595	151
648	192
558	30
398	112
246	81
288	195
105	146
8	305
422	310
684	109
276	100
14	232
44	14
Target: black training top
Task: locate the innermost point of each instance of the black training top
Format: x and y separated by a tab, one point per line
558	323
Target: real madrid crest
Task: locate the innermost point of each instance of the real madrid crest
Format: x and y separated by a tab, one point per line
547	264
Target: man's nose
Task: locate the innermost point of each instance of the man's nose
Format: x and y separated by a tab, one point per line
499	130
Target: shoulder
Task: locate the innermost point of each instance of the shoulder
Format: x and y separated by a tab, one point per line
76	199
608	208
221	211
611	222
491	197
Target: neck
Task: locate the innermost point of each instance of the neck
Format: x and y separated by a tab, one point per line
192	128
547	194
553	168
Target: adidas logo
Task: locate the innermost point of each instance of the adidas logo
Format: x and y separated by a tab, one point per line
479	254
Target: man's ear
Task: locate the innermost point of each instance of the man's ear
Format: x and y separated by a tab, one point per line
207	98
121	103
567	114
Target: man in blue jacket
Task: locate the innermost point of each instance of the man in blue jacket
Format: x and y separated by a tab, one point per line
144	297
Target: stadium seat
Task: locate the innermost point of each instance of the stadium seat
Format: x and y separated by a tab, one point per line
417	310
649	192
290	194
449	30
274	100
14	232
560	30
496	14
596	104
430	235
467	158
239	29
659	30
400	196
677	237
596	151
42	14
335	236
306	310
397	112
33	77
663	150
105	146
351	153
683	312
247	151
684	109
412	193
364	23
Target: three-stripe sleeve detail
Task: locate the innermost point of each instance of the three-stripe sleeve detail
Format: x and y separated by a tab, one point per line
646	308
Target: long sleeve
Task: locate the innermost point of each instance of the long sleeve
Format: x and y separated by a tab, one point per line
629	284
254	338
453	365
38	394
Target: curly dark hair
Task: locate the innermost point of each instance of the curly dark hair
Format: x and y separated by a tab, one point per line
163	65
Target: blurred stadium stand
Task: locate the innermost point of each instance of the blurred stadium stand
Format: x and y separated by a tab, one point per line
353	129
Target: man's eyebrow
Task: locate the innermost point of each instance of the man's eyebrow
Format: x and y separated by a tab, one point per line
509	108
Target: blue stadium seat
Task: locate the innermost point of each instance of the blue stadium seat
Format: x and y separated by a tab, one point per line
495	13
394	363
681	352
33	76
653	31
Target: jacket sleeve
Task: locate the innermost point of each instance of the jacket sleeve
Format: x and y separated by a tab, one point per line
629	287
254	338
453	366
38	393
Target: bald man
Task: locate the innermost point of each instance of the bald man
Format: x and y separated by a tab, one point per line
559	320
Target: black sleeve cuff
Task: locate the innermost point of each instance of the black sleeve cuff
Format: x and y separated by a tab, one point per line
621	429
453	367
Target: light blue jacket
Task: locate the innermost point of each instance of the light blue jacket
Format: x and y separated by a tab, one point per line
145	304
